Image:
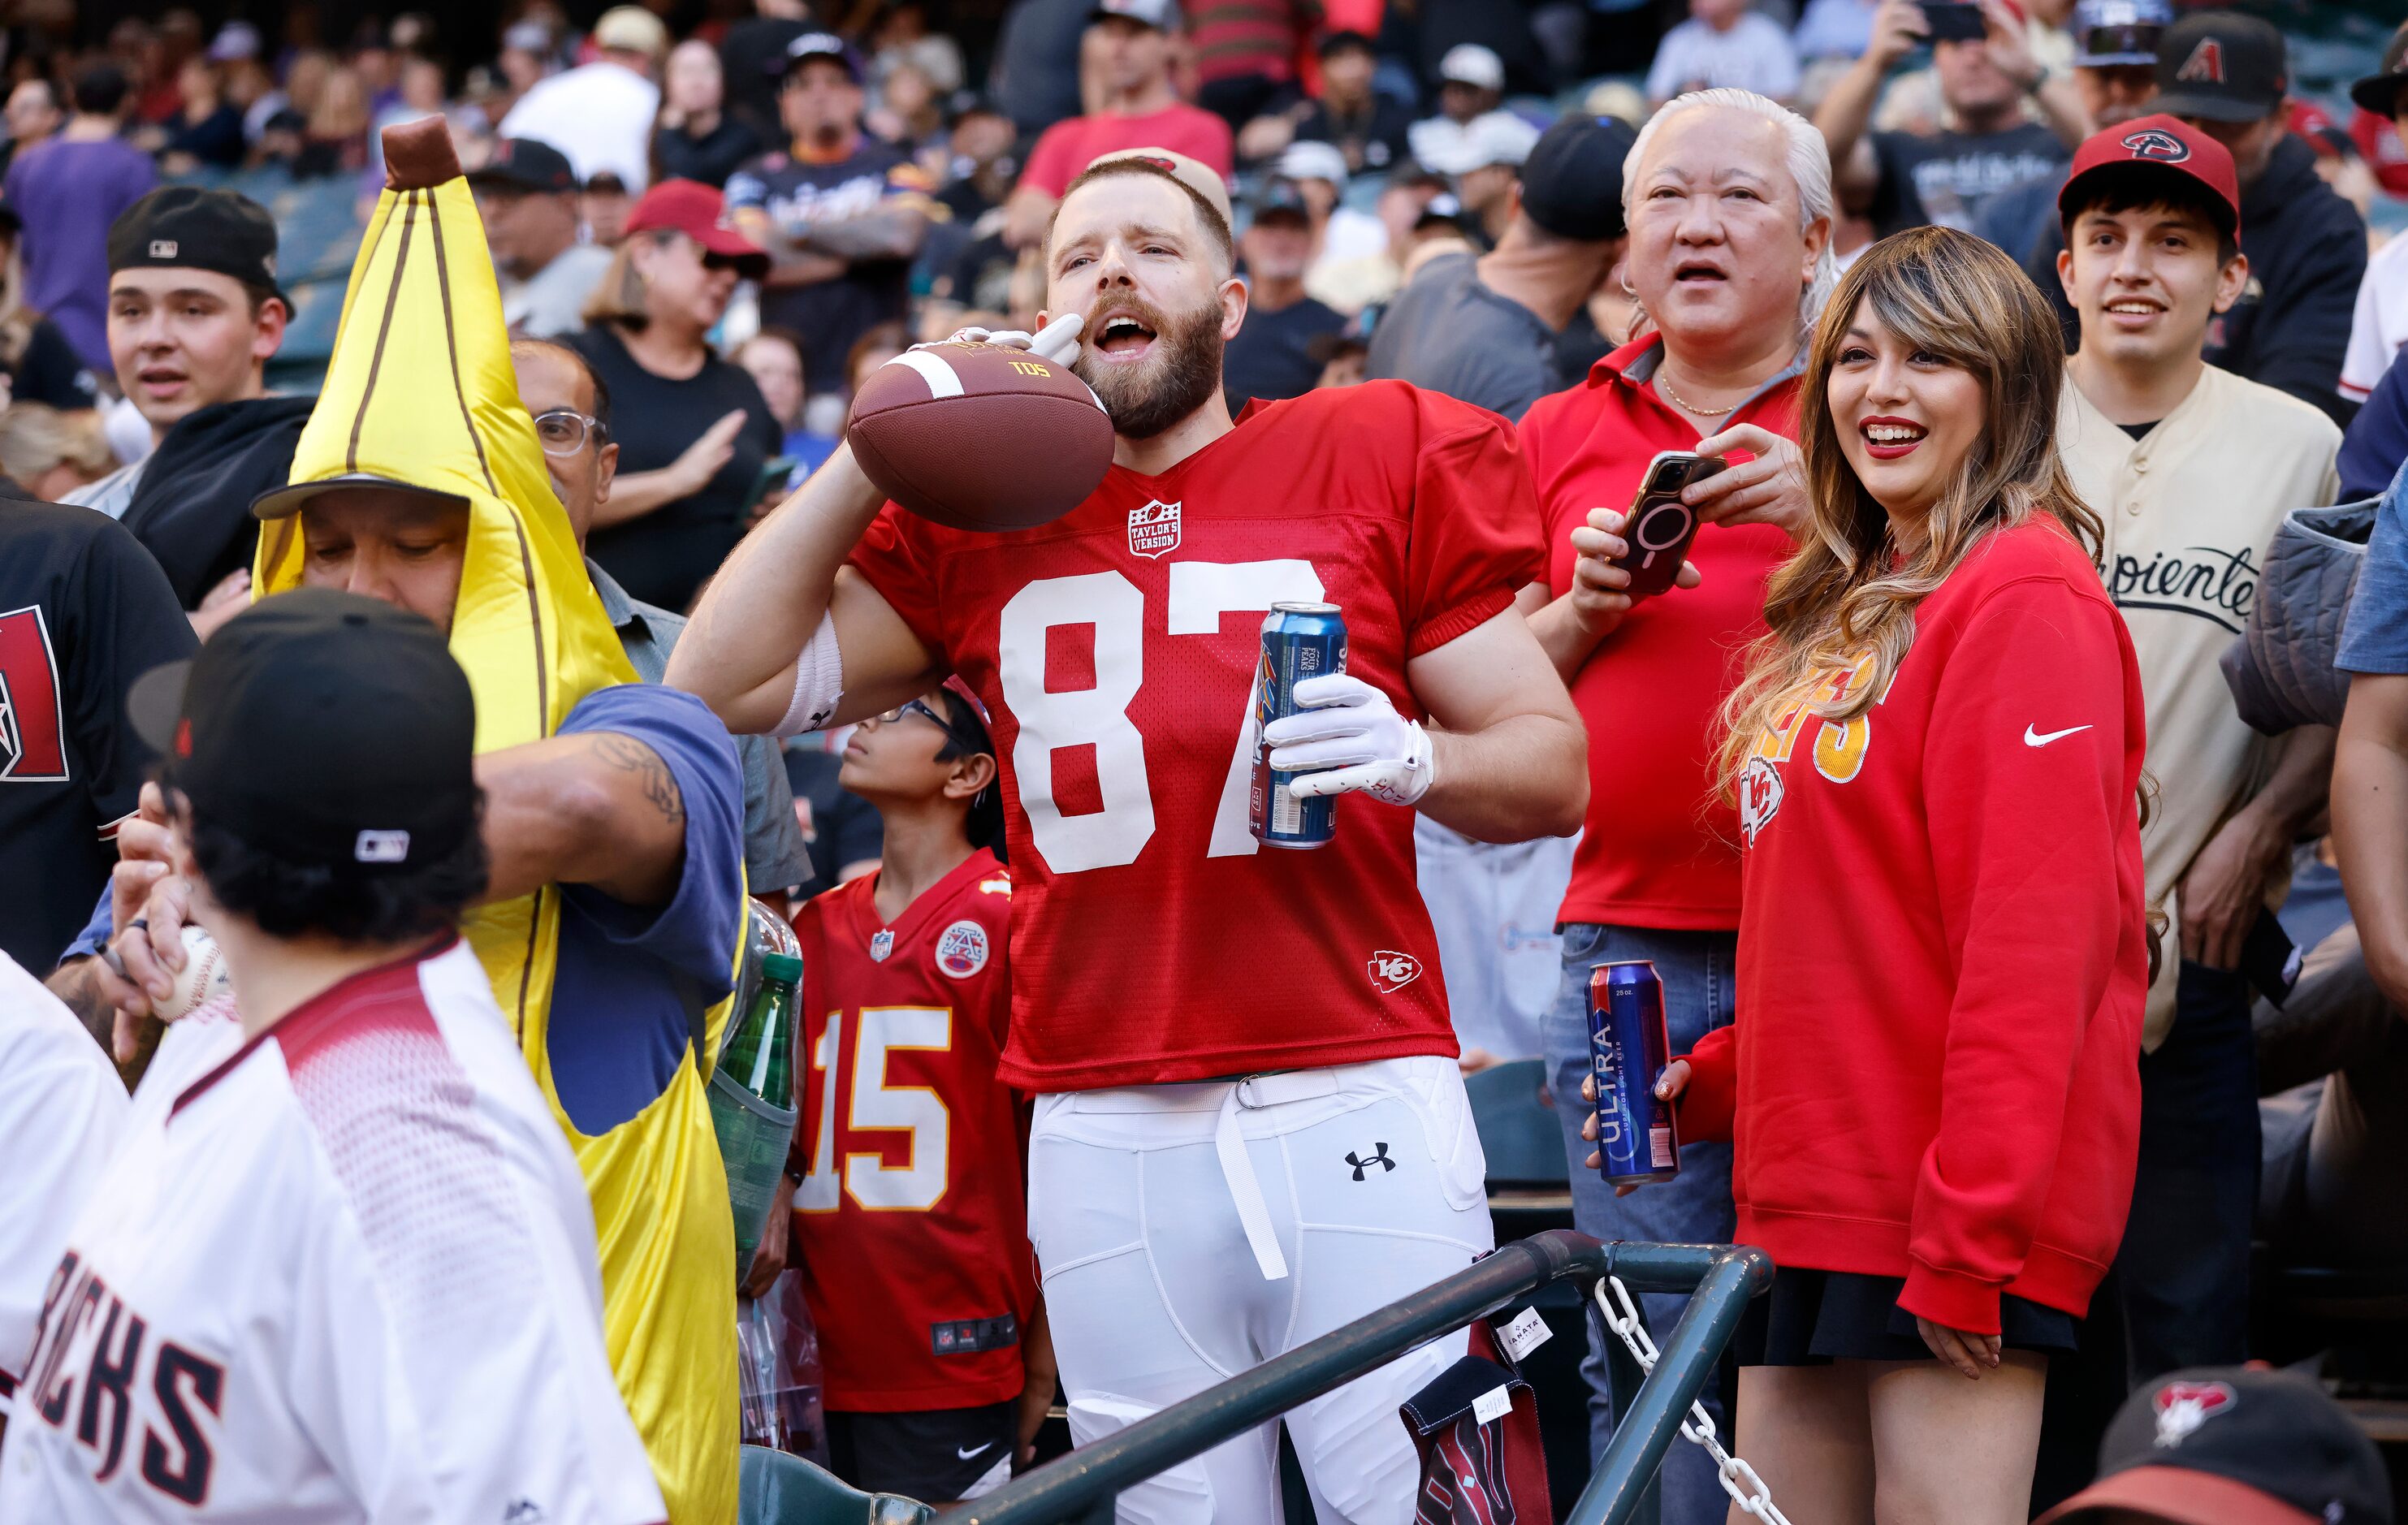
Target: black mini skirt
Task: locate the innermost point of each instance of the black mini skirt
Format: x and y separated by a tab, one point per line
1812	1317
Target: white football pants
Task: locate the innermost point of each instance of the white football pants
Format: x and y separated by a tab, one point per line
1187	1232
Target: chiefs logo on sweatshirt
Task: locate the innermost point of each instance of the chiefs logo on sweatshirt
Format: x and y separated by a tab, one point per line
1839	745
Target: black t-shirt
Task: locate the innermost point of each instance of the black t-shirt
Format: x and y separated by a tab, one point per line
662	557
1949	177
89	612
1372	141
49	371
840	827
831	314
678	155
1271	356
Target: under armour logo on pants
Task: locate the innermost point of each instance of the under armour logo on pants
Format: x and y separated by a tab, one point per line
1379	1158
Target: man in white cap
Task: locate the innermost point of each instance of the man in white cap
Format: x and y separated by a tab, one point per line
1472	82
1340	232
601	113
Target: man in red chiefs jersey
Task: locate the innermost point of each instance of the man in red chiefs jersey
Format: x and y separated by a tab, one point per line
1248	1129
909	1222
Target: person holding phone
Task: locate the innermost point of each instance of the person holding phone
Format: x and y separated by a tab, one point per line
1905	179
1943	941
1727	197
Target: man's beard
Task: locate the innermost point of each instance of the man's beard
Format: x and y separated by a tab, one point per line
1180	376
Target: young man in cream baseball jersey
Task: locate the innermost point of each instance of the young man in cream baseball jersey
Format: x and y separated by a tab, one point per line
347	1272
2191	468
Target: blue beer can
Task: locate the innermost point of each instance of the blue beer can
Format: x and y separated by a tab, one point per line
1299	641
1637	1139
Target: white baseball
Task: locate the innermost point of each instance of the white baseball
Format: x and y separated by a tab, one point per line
201	979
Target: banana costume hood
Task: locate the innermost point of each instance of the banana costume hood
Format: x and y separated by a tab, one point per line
420	395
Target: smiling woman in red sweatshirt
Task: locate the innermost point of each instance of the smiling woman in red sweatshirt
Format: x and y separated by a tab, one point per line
1932	1079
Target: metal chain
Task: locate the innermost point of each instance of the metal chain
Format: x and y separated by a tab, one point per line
1739	1479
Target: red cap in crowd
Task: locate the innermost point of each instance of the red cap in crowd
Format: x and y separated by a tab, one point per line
2165	143
699	212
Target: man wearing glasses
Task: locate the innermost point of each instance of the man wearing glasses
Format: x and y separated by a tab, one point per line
572	423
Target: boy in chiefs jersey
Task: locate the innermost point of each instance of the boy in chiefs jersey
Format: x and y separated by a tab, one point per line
1249	1128
908	1222
348	1272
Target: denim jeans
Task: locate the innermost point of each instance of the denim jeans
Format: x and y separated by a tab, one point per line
1697	971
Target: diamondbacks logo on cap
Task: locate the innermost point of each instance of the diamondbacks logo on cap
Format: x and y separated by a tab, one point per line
2183	1407
1153	530
962	949
2157	143
163	248
2205	64
382	847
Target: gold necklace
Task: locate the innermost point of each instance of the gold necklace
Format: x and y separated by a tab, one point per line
1664	385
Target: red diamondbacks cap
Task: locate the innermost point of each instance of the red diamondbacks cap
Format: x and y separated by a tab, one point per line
2161	142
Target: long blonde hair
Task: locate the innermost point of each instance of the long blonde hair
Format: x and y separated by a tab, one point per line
1846	594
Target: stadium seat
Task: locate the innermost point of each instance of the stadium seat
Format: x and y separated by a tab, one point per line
1518	1132
782	1489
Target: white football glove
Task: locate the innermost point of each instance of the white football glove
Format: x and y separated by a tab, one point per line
1058	341
1350	728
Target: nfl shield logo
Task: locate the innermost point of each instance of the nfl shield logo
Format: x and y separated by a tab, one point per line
881	944
1153	530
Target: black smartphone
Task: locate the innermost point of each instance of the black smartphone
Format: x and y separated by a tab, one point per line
775	473
1660	526
2269	960
1952	21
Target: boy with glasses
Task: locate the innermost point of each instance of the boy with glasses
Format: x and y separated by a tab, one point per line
910	1219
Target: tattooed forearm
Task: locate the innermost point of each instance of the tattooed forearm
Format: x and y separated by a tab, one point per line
73	984
659	785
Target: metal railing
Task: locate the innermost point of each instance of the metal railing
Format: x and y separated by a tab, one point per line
1081	1487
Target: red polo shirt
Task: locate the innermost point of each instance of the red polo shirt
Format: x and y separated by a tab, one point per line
1660	850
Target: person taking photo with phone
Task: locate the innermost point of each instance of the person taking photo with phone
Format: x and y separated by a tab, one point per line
1727	198
1931	1085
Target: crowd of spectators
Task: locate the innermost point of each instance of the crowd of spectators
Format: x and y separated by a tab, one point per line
729	229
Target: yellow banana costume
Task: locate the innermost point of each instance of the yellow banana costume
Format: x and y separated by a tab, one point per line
421	392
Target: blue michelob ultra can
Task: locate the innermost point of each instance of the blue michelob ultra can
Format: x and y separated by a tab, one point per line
1299	641
1637	1139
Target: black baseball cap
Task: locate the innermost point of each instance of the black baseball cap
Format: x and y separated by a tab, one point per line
2222	66
2235	1446
1341	39
323	727
827	45
526	163
2379	91
1571	183
183	227
1282	196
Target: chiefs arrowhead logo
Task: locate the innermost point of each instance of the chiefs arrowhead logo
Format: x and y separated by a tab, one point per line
2156	143
1392	971
2205	64
1153	530
2183	1407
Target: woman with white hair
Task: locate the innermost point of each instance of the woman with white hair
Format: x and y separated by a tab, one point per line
1727	197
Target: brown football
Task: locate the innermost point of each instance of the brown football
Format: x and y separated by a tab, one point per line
980	436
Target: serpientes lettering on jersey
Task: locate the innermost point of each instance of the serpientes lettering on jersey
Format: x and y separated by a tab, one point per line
96	1373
